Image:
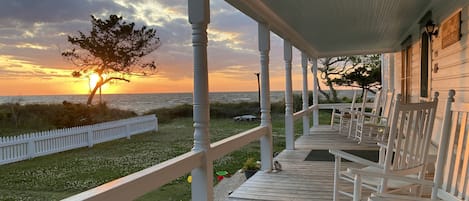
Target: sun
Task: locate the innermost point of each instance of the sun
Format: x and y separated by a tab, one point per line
93	80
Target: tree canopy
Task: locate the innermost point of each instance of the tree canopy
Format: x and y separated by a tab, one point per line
357	71
366	74
113	49
329	69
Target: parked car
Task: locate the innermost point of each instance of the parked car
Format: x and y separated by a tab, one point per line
245	118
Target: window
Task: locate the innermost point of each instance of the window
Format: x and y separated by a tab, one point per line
424	84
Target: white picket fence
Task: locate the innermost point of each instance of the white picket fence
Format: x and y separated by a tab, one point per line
17	148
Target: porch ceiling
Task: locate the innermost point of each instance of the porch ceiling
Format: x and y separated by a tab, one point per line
339	27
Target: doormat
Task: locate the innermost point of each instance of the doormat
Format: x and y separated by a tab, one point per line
324	155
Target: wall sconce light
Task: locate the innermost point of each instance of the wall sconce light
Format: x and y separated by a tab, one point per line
431	28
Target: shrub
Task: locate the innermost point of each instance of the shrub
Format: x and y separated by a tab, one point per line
165	115
217	110
18	119
228	110
250	164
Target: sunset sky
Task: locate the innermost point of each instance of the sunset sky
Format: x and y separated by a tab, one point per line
33	33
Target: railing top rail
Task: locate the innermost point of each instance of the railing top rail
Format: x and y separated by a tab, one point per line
134	185
302	113
137	184
229	144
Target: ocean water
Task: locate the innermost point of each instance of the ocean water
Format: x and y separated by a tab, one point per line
141	103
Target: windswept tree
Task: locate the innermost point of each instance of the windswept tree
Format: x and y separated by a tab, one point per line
331	68
113	50
366	74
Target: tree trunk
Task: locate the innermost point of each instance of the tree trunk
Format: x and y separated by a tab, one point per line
96	87
90	97
363	93
326	95
100	84
332	90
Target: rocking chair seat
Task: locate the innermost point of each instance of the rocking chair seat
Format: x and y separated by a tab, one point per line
374	181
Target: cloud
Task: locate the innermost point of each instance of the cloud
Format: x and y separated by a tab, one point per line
13	68
34	33
32	46
52	11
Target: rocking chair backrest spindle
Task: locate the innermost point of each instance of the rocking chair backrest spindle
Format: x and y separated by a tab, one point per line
388	104
376	103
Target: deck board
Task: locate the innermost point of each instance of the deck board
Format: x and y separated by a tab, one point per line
299	180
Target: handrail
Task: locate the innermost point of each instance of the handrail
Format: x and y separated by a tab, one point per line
134	185
137	184
302	113
229	144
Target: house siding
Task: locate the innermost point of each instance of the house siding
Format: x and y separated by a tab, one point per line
452	63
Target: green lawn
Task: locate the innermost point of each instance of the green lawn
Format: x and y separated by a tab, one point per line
60	175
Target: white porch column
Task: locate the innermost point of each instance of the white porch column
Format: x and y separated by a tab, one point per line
314	69
202	177
289	131
304	65
266	120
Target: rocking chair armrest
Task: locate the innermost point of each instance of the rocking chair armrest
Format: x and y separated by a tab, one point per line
389	176
341	107
367	114
382	145
353	158
351	110
339	110
370	115
388	196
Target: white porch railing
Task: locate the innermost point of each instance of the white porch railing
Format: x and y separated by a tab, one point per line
132	186
300	114
18	148
137	184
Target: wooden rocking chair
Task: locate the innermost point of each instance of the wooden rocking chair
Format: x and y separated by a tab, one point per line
451	180
404	154
372	127
342	115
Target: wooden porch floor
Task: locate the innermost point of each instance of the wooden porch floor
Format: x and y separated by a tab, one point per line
299	179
